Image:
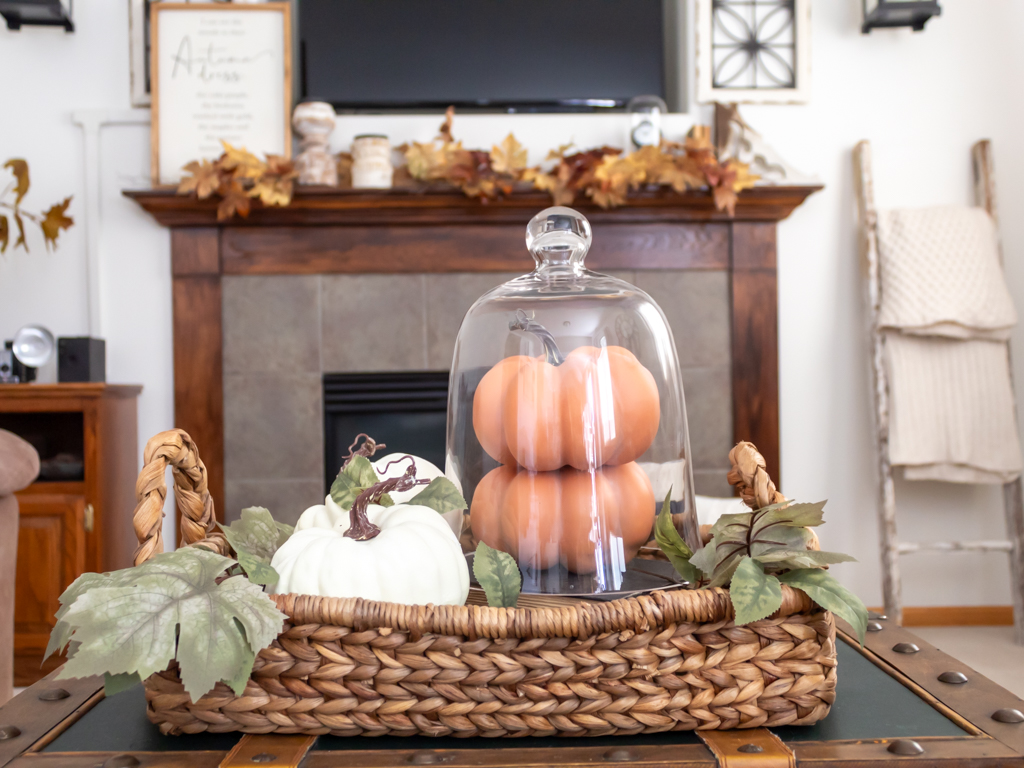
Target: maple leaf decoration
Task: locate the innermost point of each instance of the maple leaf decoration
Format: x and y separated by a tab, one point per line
237	177
509	156
51	221
54	220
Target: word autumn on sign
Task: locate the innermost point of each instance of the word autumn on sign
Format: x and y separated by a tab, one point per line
221	75
212	63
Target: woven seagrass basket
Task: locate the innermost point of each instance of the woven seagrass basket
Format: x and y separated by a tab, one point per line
666	661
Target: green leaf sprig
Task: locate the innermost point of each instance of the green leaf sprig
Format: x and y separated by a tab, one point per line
358	474
672	544
255	537
497	573
756	552
178	606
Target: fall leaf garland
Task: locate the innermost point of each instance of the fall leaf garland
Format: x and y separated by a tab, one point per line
50	221
604	174
236	177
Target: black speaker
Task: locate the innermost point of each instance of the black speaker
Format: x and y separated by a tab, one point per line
81	358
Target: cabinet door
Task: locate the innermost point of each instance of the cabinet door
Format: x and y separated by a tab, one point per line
51	554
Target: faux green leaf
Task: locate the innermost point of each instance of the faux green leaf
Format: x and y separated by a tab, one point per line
823	589
672	544
60	635
257	533
802	558
114	684
258	571
705	557
499	576
794	516
441	495
754	594
779	538
353	479
172	607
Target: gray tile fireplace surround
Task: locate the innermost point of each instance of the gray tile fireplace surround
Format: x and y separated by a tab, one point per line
281	333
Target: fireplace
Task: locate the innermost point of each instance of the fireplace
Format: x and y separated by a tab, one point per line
264	307
405	410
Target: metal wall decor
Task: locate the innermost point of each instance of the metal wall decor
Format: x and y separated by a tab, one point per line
753	51
898	13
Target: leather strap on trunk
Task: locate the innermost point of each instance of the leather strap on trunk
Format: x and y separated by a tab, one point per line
265	750
754	748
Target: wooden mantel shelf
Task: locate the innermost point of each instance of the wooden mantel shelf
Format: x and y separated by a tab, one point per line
328	205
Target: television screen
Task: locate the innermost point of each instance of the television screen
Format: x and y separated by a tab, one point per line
522	55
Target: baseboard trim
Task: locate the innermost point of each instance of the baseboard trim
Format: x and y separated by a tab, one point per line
957	615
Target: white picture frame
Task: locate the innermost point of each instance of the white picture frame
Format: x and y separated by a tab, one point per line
219	72
713	46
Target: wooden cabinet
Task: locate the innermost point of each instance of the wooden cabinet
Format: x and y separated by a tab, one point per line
77	516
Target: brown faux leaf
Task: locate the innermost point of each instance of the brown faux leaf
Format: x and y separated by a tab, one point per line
445	131
234	200
272	191
243	162
204	179
20	170
5	233
21	232
281	166
54	221
509	156
558	154
744	178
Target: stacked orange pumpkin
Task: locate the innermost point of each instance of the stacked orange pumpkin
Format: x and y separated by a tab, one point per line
568	432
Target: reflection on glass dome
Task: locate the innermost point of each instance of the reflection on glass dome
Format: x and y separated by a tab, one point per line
566	421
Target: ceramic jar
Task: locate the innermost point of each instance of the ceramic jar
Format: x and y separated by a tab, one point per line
371	162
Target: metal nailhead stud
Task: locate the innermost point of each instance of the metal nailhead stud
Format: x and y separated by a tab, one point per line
874	626
425	758
620	755
264	757
905	747
1012	716
873	615
750	748
53	694
953	678
9	732
906	648
121	761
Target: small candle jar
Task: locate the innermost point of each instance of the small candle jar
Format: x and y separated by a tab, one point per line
371	162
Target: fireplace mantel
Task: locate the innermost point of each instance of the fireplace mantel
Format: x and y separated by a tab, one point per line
327	230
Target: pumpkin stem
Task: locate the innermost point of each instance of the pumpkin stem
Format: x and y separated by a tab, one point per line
551	350
359	526
367	449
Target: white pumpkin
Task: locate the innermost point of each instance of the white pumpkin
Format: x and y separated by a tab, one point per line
329	514
415	559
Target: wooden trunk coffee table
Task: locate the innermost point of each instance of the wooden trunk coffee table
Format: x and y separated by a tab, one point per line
899	699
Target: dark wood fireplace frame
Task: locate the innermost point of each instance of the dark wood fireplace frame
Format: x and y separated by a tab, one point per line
328	231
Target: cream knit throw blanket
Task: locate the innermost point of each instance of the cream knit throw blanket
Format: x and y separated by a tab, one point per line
946	313
941	274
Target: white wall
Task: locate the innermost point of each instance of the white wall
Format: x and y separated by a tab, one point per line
921	98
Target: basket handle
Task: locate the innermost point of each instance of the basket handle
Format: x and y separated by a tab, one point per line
174	448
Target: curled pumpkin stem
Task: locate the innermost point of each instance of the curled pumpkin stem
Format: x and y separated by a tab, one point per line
359	527
523	322
367	449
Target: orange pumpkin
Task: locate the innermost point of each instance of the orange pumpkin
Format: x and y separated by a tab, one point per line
543	518
599	406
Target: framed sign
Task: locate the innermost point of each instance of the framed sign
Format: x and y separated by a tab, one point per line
219	72
754	51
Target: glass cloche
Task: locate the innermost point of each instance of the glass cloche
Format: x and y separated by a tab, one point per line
566	420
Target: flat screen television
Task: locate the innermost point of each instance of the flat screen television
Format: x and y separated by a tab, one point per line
491	55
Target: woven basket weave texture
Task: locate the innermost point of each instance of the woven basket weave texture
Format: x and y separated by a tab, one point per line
666	661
